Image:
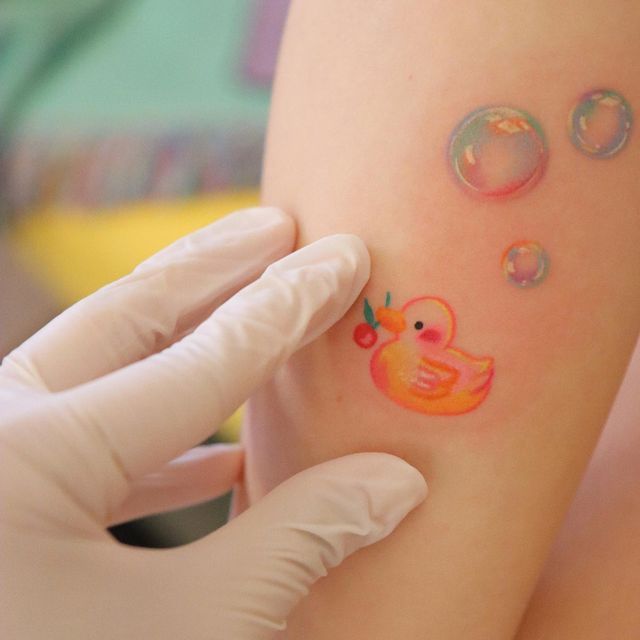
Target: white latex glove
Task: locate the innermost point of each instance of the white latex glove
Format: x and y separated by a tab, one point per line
96	407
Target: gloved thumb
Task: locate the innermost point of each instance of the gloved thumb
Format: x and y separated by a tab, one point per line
266	559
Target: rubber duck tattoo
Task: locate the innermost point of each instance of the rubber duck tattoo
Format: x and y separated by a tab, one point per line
417	367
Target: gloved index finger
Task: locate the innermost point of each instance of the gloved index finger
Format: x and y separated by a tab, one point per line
164	297
151	411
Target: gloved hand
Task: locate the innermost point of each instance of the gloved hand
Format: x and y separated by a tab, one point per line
98	408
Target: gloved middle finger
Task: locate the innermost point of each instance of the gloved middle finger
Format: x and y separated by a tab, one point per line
153	410
162	299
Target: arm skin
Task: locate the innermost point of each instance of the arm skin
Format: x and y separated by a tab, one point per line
366	97
590	587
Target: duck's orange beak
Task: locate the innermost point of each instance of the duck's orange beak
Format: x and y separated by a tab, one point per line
391	319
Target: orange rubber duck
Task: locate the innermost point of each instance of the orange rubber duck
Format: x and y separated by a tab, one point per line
418	368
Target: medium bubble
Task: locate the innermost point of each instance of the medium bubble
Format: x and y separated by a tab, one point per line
600	123
498	151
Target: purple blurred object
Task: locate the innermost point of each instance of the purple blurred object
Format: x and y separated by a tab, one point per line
115	167
264	40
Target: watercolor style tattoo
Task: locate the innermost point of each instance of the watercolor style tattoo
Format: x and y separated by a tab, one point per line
525	264
498	152
418	368
600	124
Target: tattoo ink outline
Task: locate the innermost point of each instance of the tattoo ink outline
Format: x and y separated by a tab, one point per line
418	368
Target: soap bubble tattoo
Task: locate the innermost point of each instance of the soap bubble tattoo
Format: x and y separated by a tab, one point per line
498	152
525	264
600	123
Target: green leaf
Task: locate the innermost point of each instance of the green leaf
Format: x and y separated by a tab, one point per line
368	314
387	300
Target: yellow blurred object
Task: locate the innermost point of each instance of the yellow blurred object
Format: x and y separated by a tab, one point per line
230	429
74	252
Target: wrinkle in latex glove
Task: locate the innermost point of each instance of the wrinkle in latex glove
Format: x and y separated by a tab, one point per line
97	412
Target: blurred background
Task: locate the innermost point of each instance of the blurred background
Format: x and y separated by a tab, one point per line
124	124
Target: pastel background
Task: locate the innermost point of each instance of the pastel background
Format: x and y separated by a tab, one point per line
124	124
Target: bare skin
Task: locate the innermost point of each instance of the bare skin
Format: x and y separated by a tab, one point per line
590	587
366	98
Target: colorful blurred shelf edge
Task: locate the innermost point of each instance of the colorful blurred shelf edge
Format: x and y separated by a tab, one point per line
108	101
125	124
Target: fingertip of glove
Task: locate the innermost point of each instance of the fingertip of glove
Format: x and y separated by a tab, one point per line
264	217
409	479
397	491
395	476
355	248
344	256
352	249
389	486
341	250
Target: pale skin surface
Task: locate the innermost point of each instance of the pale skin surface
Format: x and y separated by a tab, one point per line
366	97
590	587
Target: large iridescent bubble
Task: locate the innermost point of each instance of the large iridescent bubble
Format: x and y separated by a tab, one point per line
498	152
599	125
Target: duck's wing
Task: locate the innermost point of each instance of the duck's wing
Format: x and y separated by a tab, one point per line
433	379
479	365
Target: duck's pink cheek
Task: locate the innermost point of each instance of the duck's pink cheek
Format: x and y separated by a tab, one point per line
431	335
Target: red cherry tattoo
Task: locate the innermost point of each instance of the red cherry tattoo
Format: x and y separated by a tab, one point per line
365	335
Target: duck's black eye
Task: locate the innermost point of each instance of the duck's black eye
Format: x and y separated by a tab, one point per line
418	325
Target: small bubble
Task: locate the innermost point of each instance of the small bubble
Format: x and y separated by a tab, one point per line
525	264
